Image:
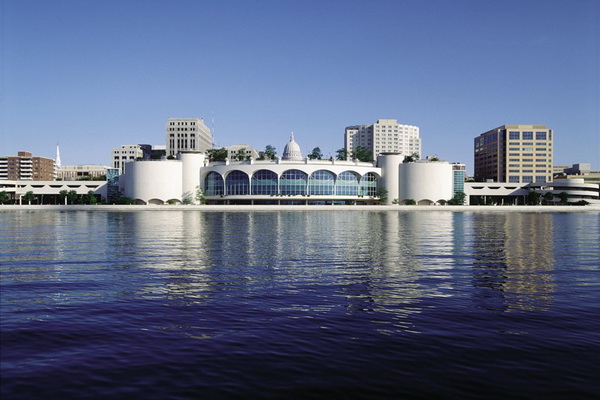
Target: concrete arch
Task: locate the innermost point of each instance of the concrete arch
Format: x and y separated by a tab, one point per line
425	202
156	202
139	202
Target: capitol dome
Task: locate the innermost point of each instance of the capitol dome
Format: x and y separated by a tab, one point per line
291	151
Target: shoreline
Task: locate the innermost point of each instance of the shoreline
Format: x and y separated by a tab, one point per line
234	208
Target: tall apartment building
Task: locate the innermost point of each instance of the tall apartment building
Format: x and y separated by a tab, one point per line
26	167
187	134
514	154
126	153
385	136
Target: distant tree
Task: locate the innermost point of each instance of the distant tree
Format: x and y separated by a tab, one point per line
410	202
382	193
217	154
170	157
241	155
29	197
90	198
434	158
63	196
315	154
72	196
411	157
458	199
363	154
200	198
548	197
270	152
564	197
187	198
4	197
533	198
396	201
341	154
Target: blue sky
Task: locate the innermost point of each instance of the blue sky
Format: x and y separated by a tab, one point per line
92	75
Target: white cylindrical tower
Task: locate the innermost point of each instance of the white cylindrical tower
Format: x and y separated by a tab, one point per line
192	162
390	174
152	182
426	182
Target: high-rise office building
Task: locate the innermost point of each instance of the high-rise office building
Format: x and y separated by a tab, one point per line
385	136
26	167
187	134
126	153
514	154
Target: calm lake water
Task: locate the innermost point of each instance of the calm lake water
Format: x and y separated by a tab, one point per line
314	304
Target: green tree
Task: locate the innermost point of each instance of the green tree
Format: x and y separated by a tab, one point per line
458	199
187	198
396	201
217	154
63	196
241	155
382	193
4	197
411	157
548	197
72	196
90	198
29	197
341	154
270	152
409	202
200	198
315	154
533	198
363	154
564	197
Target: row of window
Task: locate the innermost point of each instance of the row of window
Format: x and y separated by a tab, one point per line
291	182
526	179
516	135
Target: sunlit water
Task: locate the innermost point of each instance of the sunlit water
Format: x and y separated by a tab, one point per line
357	304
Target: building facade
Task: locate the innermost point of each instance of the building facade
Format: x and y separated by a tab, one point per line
26	167
290	179
75	172
385	136
187	134
237	151
126	153
514	154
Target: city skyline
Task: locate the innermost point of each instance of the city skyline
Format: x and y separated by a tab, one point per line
95	76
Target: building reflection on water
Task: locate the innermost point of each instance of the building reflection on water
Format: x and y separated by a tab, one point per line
513	259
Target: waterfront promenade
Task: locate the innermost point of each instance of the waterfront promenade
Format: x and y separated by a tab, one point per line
8	208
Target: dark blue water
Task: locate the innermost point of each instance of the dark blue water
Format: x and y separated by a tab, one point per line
358	304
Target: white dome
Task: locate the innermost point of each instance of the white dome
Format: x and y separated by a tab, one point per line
292	150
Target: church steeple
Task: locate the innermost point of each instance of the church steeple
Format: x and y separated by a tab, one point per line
57	159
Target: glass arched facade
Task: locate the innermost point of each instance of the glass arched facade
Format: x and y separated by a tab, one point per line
368	184
321	183
346	184
213	184
237	183
264	182
293	182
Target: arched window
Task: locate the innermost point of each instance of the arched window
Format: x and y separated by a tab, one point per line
321	183
346	184
213	184
264	182
368	184
237	183
293	182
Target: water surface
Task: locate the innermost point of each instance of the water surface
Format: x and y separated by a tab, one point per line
356	304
